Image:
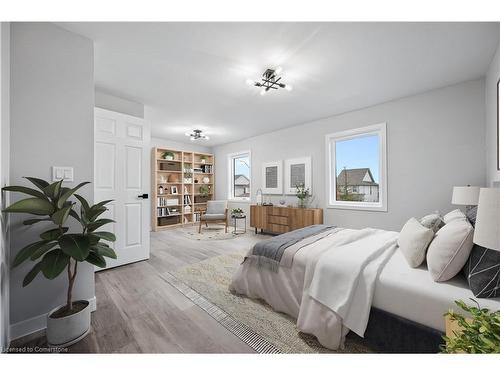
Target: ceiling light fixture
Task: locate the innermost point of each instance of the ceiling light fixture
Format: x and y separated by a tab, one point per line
270	81
197	134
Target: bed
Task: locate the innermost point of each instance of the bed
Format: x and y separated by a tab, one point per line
366	283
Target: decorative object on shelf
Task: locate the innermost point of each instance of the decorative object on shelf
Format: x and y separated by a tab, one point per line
197	134
467	196
297	172
282	201
168	155
59	250
303	194
161	190
478	332
196	180
173	178
204	190
162	179
205	180
237	212
258	197
272	175
203	159
173	190
271	80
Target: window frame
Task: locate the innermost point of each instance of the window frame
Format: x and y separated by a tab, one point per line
331	171
230	190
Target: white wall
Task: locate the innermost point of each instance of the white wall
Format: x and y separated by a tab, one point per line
435	140
117	104
4	181
492	77
52	103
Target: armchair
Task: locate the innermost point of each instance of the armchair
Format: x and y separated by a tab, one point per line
216	212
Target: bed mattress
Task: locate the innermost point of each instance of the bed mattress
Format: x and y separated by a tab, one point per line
412	294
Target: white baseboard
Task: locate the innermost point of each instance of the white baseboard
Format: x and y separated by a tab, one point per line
37	323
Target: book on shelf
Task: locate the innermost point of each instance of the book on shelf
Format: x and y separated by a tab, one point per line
163	211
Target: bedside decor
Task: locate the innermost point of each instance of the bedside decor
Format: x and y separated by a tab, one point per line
483	267
272	177
297	172
478	333
467	196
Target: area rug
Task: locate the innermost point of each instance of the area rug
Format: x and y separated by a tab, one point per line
213	232
206	283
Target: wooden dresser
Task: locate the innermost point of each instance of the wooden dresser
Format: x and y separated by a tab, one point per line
283	219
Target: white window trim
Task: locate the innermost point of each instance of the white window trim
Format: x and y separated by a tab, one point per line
331	172
230	169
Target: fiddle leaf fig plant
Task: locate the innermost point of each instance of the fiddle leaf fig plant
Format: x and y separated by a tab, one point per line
58	249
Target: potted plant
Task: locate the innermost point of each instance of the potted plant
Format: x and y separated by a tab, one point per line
168	155
60	250
477	333
237	212
203	159
303	194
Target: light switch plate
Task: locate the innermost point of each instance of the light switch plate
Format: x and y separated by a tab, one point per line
65	173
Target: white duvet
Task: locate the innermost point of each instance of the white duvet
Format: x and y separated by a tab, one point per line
329	288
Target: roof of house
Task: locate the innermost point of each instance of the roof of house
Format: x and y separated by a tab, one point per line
356	177
241	180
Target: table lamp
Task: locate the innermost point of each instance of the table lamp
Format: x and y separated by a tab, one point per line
465	196
487	230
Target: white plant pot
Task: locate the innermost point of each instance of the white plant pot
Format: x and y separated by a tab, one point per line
203	161
169	157
69	329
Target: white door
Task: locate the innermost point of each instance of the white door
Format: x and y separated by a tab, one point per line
122	173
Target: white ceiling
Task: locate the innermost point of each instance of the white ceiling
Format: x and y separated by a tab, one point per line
192	75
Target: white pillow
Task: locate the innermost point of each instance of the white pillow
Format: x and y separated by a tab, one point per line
450	249
432	221
413	241
454	215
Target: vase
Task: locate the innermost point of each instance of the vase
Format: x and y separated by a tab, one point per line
66	330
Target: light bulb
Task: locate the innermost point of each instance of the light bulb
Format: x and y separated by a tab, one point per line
263	92
250	82
289	87
278	70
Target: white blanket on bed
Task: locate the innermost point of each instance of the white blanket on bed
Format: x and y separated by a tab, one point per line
342	278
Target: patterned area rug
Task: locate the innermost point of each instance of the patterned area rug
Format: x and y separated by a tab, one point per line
213	232
211	279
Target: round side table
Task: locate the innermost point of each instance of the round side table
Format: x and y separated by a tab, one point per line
236	218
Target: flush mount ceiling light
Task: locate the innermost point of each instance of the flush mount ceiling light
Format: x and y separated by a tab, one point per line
271	80
197	134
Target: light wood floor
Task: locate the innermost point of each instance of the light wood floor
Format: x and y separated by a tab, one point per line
139	312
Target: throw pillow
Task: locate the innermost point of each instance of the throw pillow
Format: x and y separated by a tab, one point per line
432	221
450	249
413	241
453	215
483	272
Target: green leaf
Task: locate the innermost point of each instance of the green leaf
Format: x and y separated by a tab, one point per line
95	212
32	274
38	182
42	250
25	190
53	234
53	263
27	252
53	190
60	217
98	223
75	245
96	260
69	193
35	206
104	250
105	236
83	202
102	203
34	221
74	215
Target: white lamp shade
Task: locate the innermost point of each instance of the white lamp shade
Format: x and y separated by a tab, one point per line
487	230
465	195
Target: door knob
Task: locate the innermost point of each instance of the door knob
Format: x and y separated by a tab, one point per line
144	196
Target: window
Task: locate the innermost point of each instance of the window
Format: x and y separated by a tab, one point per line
239	177
356	169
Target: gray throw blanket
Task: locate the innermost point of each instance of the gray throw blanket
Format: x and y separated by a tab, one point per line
268	253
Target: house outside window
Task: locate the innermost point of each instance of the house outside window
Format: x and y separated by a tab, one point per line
357	169
239	176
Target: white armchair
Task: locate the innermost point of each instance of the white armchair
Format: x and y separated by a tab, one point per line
216	212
